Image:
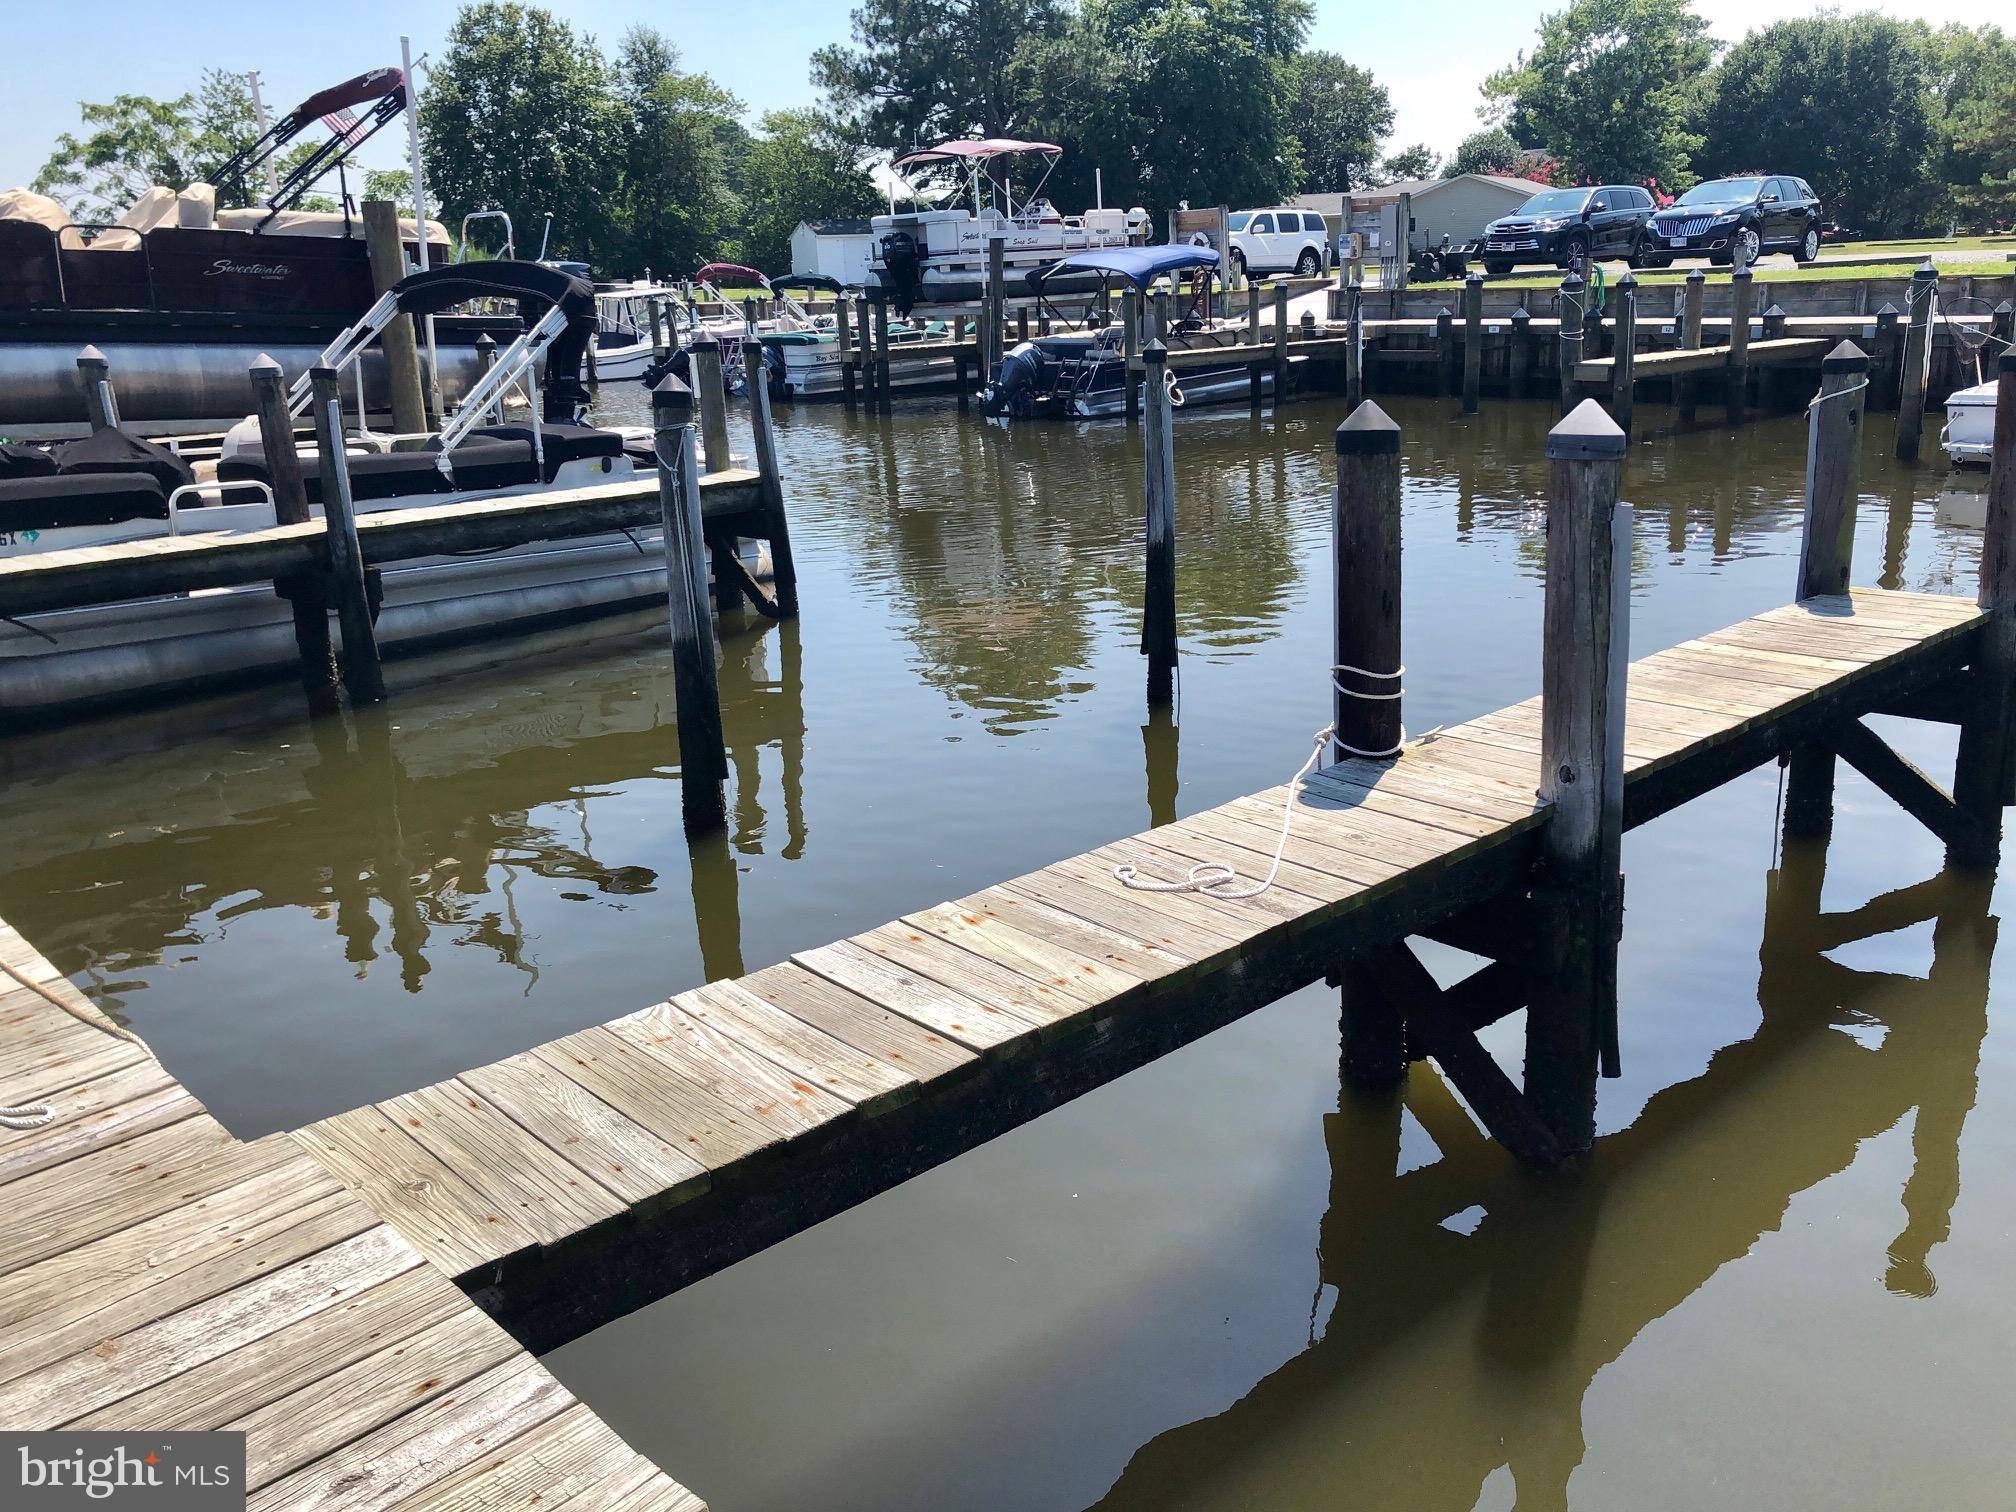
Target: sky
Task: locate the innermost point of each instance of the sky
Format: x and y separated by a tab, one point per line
1431	62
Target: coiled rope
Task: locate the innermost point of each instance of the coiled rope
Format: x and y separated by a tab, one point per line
1214	879
34	1115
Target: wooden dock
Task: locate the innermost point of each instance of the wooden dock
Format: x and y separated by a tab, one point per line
156	1273
582	1178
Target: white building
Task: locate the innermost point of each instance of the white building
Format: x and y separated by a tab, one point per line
835	248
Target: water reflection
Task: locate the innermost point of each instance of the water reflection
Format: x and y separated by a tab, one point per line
1472	1303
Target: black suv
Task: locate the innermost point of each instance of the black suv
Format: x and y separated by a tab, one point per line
1567	226
1740	217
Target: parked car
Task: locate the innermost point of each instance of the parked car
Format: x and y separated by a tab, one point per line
1566	226
1279	241
1746	217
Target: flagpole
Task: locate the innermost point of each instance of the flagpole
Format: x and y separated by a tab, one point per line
420	209
259	117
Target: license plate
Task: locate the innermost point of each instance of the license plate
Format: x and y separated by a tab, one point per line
1676	241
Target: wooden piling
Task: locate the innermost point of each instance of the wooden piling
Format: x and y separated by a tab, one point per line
1624	353
1736	369
1130	348
1572	293
402	352
1254	383
1473	341
1158	441
659	350
1280	292
994	313
1022	324
94	372
303	591
1158	325
776	523
882	355
1916	368
703	750
349	586
1365	576
1519	358
1693	302
1445	351
1570	1021
710	386
1354	351
1987	756
843	330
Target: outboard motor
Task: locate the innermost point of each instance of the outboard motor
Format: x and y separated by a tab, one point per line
675	362
900	271
1015	387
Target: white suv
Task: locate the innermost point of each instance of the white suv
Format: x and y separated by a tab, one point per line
1279	241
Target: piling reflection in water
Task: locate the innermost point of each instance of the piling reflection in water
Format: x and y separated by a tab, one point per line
1472	1302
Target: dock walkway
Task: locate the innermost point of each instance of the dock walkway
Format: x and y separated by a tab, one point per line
156	1273
586	1176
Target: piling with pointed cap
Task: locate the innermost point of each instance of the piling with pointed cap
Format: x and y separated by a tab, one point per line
1736	371
1624	356
1886	361
1572	293
486	357
1447	358
94	373
1354	344
703	753
1255	384
763	435
1473	341
1519	359
843	330
349	584
1571	1021
387	255
1982	775
882	353
1833	447
304	591
1158	444
1916	368
1693	303
1280	293
710	386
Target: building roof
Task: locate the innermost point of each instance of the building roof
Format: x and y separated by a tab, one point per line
836	227
1419	187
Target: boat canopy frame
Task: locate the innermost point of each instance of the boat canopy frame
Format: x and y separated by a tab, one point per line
383	88
975	154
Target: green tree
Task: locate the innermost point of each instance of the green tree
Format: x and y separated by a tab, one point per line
1842	101
678	201
1609	90
797	169
1493	150
1974	155
1415	162
521	115
134	142
923	70
1337	113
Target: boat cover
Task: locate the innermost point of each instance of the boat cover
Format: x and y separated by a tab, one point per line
729	273
438	289
21	461
113	451
52	503
478	465
1140	266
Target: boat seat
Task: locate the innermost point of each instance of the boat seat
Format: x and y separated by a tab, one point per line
113	451
560	443
53	502
20	461
409	474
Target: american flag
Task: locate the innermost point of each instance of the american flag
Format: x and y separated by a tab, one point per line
346	126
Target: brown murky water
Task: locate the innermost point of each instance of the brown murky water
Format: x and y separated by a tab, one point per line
1781	1279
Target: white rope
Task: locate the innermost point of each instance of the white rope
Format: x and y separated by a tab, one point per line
1214	878
1820	399
27	1116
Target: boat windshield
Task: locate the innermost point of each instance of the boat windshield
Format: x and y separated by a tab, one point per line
1555	202
1721	191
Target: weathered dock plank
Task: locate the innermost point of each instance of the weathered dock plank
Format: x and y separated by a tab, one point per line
809	1085
157	1273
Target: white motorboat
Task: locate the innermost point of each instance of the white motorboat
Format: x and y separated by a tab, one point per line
939	256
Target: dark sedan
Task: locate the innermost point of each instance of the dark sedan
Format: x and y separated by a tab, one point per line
1567	226
1740	219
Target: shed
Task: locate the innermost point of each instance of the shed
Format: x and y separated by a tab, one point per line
1459	208
835	248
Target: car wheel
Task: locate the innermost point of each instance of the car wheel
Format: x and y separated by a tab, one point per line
1809	246
1308	265
1574	248
1497	269
1750	245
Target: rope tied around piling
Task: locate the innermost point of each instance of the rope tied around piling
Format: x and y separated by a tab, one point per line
1843	393
1336	682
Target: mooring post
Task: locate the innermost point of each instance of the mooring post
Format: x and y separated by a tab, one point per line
1736	369
1354	344
1570	333
1982	774
1693	303
1886	361
657	308
1254	382
2002	327
1624	352
1022	324
1571	1019
1473	341
1130	348
1916	370
1770	380
882	355
1280	292
703	750
348	582
486	359
95	374
1158	325
1519	356
303	591
1158	443
843	332
776	523
1445	351
709	384
402	353
1365	685
995	312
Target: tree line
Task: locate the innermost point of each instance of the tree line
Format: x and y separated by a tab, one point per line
1903	128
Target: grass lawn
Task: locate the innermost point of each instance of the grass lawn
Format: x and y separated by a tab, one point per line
1982	256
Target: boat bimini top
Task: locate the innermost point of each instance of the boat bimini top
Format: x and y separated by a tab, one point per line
1140	266
560	336
383	89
